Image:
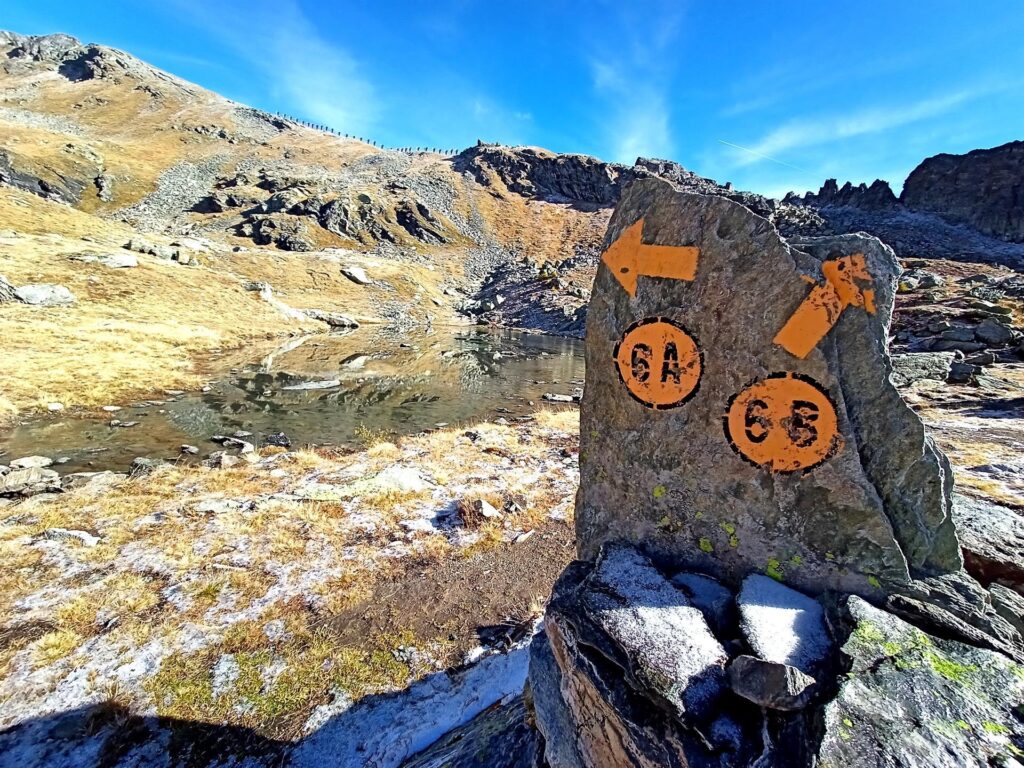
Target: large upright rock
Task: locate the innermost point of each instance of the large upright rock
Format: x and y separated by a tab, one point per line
738	414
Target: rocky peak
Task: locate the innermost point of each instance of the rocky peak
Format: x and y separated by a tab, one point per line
877	196
50	48
983	189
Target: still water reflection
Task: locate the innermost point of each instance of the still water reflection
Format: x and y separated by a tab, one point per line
324	390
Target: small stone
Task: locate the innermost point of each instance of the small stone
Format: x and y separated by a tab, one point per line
31	461
221	460
783	625
63	534
356	275
191	450
556	398
769	684
333	319
55	407
111	408
963	373
280	439
474	512
164	252
143	466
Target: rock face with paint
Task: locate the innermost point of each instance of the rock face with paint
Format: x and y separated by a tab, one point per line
738	413
768	571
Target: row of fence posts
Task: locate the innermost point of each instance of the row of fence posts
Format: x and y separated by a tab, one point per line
326	129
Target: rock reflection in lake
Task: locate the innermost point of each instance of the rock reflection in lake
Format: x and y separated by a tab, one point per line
324	389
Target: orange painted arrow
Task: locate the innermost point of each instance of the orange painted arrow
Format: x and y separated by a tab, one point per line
629	257
846	285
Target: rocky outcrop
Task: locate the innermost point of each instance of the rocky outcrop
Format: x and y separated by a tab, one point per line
58	187
534	172
910	699
983	189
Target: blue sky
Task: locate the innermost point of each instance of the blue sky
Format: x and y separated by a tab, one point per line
772	96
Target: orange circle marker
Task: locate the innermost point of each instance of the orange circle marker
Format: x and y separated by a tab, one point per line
659	363
785	423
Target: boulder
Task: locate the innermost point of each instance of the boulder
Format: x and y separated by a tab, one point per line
500	737
112	260
29	482
910	699
911	368
710	598
992	538
45	295
628	672
784	626
750	382
993	332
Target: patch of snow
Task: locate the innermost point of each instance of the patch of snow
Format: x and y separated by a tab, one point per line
783	625
383	731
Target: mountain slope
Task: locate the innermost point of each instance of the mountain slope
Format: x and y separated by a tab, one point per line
98	148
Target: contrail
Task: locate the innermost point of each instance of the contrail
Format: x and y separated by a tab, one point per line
766	157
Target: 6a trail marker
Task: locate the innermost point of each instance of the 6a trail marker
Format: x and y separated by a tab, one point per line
659	363
816	315
629	258
785	422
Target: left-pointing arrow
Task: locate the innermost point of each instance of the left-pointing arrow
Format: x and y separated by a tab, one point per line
629	258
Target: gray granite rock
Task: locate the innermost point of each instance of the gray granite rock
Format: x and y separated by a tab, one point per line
866	505
333	319
29	482
913	700
908	369
45	295
27	462
659	636
992	537
629	674
8	292
501	737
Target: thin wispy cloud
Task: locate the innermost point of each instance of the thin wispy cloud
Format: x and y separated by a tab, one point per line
318	80
806	133
634	84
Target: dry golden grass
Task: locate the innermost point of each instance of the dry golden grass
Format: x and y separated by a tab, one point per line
562	419
133	331
54	646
